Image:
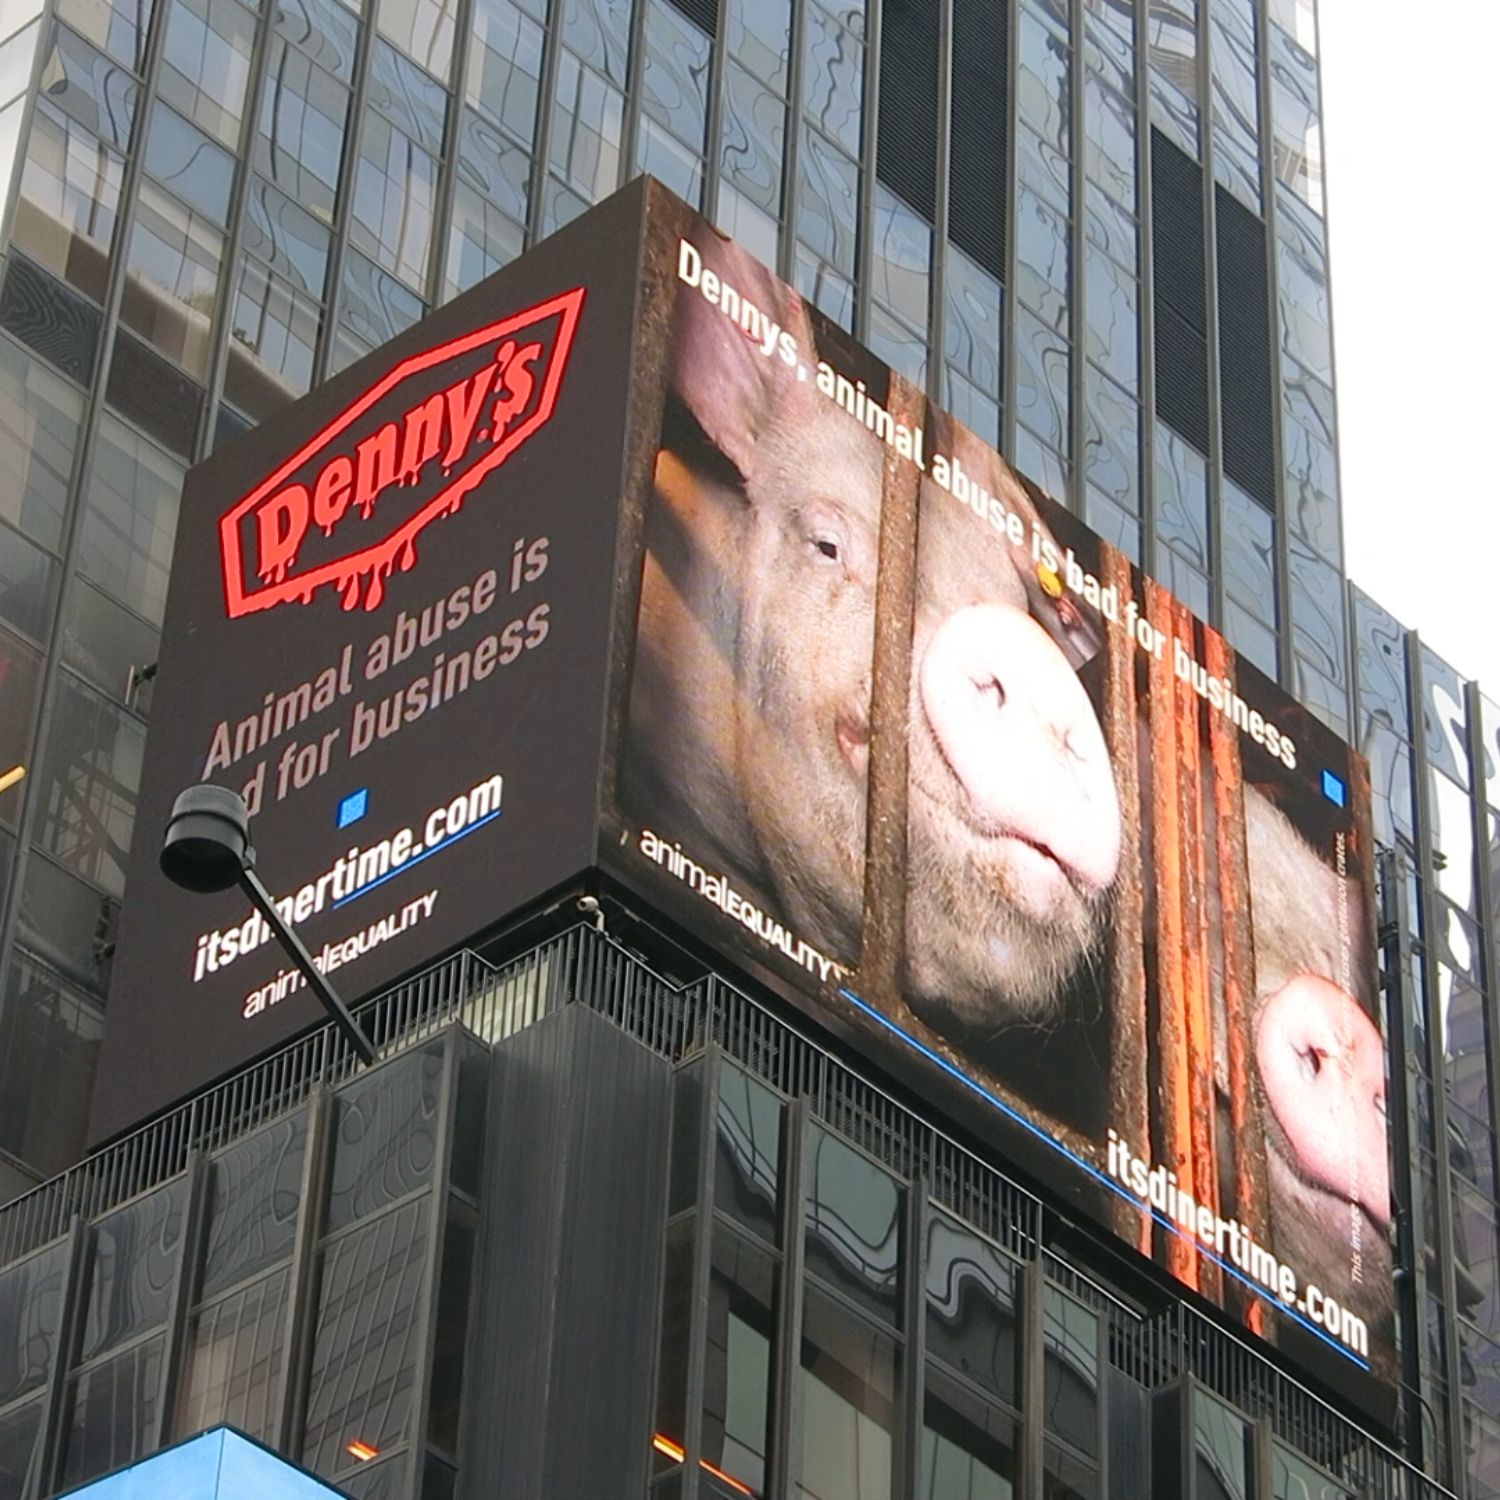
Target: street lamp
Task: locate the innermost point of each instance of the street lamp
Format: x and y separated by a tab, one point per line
207	848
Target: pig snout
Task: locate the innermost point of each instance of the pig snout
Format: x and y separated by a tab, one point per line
1322	1066
1020	737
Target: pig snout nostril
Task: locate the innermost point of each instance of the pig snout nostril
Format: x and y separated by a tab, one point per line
1310	1063
991	692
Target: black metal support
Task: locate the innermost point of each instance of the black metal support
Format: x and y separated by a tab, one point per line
260	898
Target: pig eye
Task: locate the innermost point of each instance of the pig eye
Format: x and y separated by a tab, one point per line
828	546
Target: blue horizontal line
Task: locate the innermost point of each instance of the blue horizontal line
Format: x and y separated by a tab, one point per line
427	853
1109	1182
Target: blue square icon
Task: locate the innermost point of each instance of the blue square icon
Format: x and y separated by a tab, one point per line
1334	789
354	807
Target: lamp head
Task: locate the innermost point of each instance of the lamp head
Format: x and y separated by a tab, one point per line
207	843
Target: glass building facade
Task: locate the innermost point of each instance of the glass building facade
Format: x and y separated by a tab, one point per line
1092	228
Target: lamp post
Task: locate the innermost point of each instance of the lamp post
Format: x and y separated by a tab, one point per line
206	848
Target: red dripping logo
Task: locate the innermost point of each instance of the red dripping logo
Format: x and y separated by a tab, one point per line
330	515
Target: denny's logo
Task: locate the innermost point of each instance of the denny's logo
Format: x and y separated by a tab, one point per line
347	508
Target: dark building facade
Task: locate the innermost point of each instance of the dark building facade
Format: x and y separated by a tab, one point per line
1092	230
588	1230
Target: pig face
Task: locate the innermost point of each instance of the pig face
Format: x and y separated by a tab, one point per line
1319	1072
753	668
806	634
1014	825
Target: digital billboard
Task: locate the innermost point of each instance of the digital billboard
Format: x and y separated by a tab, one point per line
629	561
387	625
939	761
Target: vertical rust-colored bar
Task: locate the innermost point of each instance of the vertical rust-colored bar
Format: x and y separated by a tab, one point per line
885	830
1251	1202
1129	1106
1195	954
1174	1149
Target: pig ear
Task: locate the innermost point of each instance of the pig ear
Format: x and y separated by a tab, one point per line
720	371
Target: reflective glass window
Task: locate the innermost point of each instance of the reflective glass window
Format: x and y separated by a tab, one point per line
1317	589
828	290
1444	718
853	1224
1044	86
21	674
404	95
120	27
394	193
1219	1449
1042	279
587	125
130	521
70	193
20	1448
273	331
88	86
828	202
183	159
385	1136
901	255
103	641
171	278
1250	636
494	166
674	83
135	1256
1070	1400
737	1371
27	579
1042	365
598	31
39	415
754	134
1293	1478
1110	229
232	1370
749	1153
205	66
31	1305
848	1386
1249	542
323	29
285	237
974	327
423	29
1112	299
971	1306
481	240
253	1204
1117	526
300	143
112	1413
760	37
505	67
49	1043
665	157
376	306
88	785
969	1448
1182	496
903	349
1112	441
1109	140
365	1340
833	85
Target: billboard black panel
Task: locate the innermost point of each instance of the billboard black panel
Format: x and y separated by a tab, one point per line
388	625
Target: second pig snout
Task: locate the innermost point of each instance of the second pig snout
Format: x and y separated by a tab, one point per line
1020	739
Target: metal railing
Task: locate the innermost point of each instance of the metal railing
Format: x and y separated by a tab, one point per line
586	966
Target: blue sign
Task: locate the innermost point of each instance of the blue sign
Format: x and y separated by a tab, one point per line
217	1465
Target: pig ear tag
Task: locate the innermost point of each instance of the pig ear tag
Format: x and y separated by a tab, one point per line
1052	585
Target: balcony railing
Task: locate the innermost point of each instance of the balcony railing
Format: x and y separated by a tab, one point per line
586	966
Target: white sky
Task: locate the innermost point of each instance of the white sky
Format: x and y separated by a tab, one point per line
1410	100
